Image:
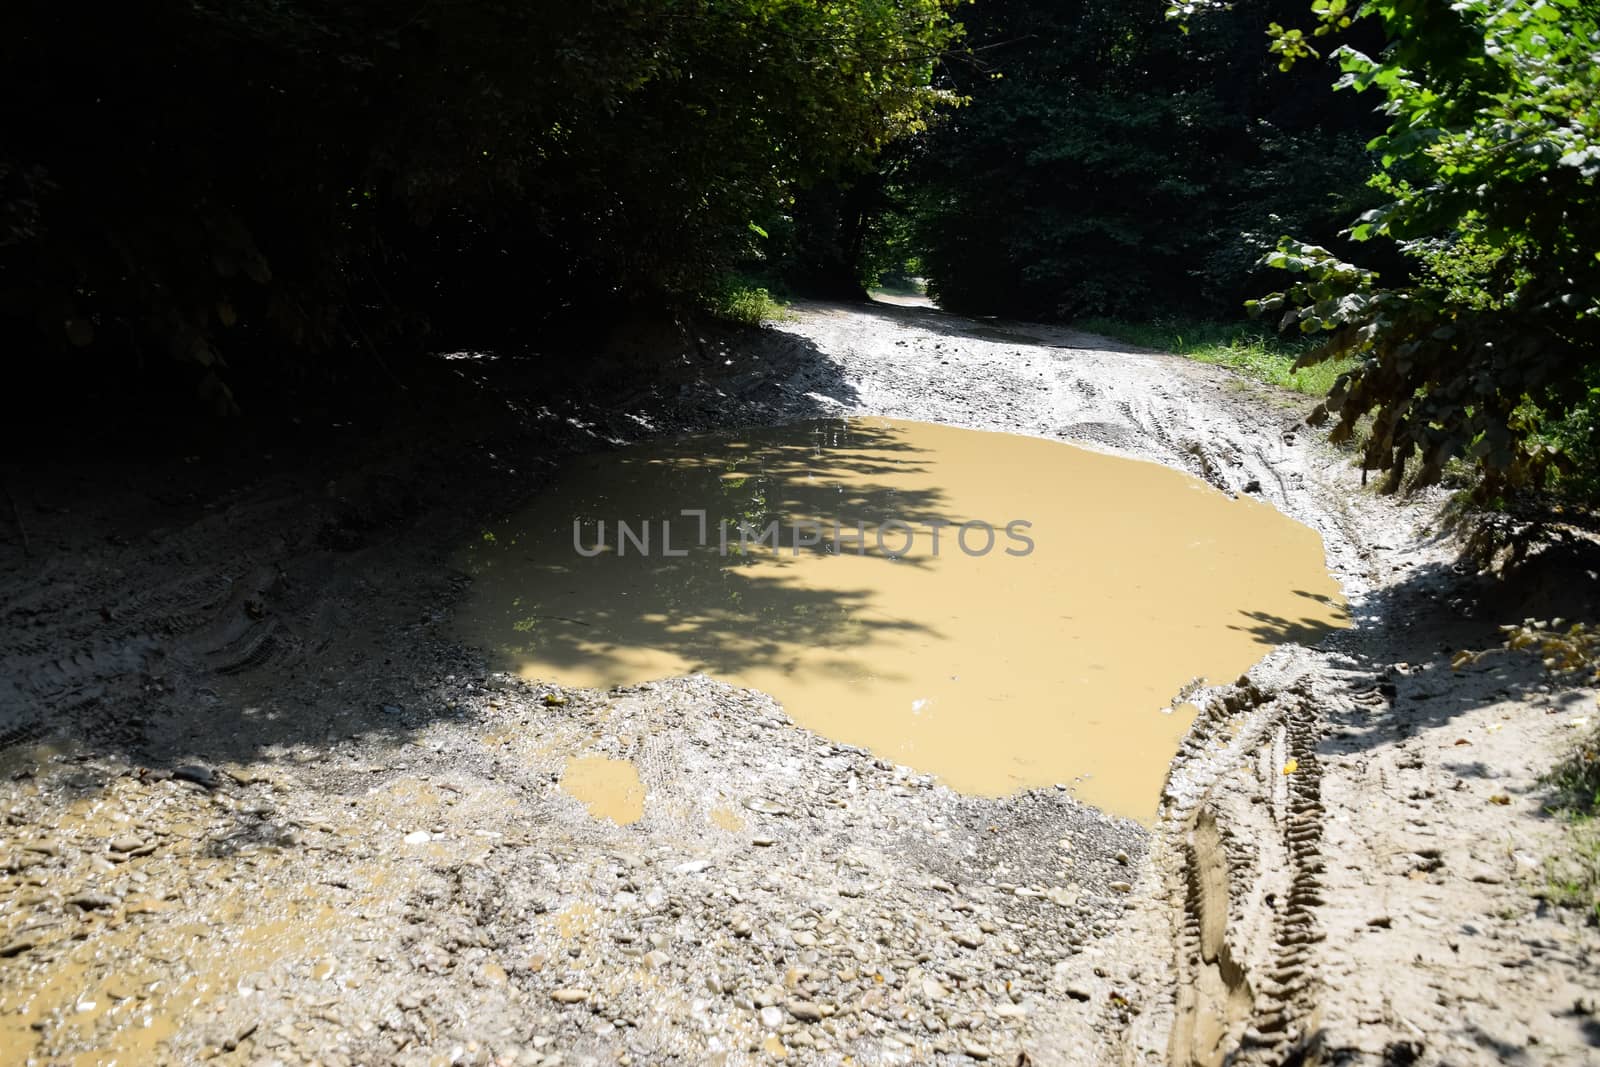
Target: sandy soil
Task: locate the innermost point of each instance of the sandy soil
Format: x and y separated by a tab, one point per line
262	807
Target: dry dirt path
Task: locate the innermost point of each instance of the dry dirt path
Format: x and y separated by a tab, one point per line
262	807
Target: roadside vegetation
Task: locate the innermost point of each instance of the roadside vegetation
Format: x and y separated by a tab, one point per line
1575	437
902	282
1574	875
1489	189
1572	650
1242	346
743	299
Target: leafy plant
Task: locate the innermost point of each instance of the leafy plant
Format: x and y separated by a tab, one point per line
1490	174
739	298
1571	650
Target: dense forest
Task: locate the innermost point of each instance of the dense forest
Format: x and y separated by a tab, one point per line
249	190
224	203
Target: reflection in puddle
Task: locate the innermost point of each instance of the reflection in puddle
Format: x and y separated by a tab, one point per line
995	671
609	788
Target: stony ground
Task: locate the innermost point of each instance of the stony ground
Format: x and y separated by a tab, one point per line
261	807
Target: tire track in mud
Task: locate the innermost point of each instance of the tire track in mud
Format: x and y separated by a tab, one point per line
1242	851
80	648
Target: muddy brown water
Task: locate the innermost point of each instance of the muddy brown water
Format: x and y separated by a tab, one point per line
1056	651
609	788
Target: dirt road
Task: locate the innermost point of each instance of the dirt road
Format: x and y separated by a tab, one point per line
262	806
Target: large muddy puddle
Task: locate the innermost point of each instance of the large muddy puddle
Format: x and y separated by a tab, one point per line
1004	612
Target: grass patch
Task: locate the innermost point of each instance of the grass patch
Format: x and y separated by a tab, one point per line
1247	347
740	298
1574	876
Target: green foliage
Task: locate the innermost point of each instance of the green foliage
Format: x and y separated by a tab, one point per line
1107	163
1573	874
1575	781
900	282
740	298
1575	435
891	253
250	180
1490	177
1252	351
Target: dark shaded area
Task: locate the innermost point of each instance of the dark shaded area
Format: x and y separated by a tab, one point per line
1110	163
1438	611
819	248
196	603
214	205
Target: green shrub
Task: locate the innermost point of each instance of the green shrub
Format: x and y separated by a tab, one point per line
739	298
1491	185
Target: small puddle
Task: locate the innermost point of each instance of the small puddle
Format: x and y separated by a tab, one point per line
609	788
1048	641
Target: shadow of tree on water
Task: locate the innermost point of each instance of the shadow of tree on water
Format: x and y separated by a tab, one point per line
741	589
1309	630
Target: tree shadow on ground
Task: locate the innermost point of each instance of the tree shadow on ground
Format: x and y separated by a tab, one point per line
747	587
1307	630
1440	610
206	602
